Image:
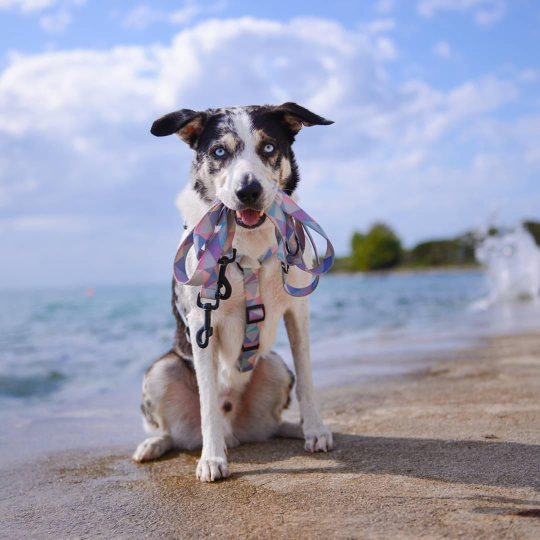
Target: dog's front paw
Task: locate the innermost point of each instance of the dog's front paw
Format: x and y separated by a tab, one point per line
211	469
318	439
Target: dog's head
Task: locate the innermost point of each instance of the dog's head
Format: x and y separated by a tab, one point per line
243	155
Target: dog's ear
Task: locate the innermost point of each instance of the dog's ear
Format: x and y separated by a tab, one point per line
187	124
295	116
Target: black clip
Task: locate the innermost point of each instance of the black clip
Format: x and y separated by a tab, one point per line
206	328
222	280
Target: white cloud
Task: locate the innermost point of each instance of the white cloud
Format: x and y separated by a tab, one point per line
144	15
386	48
35	6
55	23
529	75
26	6
186	14
74	131
384	6
52	22
71	224
442	49
486	12
71	91
492	15
532	157
377	26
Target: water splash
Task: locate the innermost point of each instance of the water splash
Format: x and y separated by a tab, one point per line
512	260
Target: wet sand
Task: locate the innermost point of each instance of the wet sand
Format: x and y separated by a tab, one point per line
451	451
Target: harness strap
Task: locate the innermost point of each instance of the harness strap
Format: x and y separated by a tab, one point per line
254	317
255	312
212	238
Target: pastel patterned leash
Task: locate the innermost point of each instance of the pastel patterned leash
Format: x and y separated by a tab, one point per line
212	240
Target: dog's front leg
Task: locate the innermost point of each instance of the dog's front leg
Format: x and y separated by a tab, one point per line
317	436
213	463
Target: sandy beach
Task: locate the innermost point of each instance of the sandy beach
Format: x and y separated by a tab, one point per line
450	451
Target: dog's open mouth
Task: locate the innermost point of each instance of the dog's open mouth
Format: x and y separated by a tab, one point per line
250	219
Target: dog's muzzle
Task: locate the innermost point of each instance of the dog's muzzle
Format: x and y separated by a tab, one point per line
250	195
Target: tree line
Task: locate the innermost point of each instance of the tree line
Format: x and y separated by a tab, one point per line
380	248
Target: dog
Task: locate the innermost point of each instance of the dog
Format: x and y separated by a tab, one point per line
194	396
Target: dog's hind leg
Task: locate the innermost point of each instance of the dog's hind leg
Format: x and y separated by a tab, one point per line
170	406
152	448
290	430
268	392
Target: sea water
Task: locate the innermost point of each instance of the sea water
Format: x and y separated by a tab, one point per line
60	343
72	361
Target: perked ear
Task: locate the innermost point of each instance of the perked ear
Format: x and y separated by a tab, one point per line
187	124
296	116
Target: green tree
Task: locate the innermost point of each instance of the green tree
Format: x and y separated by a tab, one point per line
455	252
534	228
379	249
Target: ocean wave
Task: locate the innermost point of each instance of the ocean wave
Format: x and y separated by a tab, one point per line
31	385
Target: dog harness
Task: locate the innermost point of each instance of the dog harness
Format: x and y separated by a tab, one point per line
212	240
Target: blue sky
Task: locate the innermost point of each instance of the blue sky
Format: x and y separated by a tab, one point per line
436	103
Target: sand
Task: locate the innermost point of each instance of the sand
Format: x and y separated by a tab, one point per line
451	451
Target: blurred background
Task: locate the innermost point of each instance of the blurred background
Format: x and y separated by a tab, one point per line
432	164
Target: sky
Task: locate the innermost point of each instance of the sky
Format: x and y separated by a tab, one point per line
436	106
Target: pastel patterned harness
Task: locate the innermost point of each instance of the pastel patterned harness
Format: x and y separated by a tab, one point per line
212	238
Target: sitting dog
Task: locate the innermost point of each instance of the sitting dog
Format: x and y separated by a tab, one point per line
196	396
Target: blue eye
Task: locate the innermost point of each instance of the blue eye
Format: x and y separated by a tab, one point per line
220	152
269	148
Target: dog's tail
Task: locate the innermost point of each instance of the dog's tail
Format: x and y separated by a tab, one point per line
288	430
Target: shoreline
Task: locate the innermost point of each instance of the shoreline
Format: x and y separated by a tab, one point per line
450	450
127	284
404	270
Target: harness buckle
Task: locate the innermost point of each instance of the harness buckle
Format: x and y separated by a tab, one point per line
257	317
285	268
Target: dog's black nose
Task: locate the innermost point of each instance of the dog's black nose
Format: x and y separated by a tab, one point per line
250	193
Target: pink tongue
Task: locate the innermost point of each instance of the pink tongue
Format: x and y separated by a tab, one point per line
250	217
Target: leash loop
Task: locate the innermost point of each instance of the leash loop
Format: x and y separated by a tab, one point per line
290	222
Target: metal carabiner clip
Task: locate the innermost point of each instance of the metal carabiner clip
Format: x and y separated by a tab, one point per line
222	279
206	329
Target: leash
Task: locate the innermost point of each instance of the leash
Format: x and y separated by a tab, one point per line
212	240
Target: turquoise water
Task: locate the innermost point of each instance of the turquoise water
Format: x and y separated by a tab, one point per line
71	365
57	342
